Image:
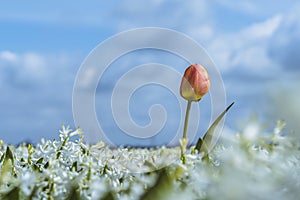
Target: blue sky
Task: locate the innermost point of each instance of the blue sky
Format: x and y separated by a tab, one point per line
254	44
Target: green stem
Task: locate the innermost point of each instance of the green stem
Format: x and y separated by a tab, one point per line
186	121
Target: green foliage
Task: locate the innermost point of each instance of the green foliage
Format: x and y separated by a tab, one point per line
204	143
162	187
8	156
12	194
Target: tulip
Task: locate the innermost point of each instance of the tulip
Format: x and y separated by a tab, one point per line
194	85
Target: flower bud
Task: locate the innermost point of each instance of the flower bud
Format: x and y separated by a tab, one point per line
195	83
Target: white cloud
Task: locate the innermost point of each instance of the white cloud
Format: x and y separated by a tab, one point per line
164	13
24	68
8	56
36	93
257	8
284	45
247	48
245	6
31	67
261	30
252	58
34	65
204	33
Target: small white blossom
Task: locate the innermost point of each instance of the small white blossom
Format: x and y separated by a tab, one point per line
249	165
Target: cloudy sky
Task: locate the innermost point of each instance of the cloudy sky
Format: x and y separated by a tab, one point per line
254	44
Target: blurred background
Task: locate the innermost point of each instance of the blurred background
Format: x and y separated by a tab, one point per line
255	45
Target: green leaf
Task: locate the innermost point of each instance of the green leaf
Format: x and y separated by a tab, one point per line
46	165
40	160
8	156
161	188
109	196
2	158
30	149
33	193
12	194
203	144
74	166
74	193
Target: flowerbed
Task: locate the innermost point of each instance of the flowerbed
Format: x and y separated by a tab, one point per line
264	166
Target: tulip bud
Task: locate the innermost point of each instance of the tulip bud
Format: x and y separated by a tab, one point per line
195	83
